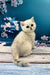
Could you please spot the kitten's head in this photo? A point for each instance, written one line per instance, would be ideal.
(28, 25)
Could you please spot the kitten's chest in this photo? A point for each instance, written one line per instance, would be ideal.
(31, 37)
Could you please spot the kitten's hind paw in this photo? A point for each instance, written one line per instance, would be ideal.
(23, 64)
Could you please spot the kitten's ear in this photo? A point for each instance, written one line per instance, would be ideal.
(22, 23)
(32, 19)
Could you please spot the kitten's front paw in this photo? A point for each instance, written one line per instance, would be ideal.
(34, 47)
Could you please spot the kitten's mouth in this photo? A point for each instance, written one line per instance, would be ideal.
(30, 28)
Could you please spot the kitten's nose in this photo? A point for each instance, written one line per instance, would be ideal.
(30, 28)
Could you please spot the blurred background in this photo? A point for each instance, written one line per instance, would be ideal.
(40, 9)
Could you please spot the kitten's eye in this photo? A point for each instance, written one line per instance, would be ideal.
(27, 26)
(31, 24)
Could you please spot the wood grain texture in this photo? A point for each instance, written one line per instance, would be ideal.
(42, 50)
(39, 62)
(5, 49)
(40, 55)
(37, 50)
(32, 58)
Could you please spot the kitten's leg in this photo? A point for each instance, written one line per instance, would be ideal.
(17, 61)
(15, 54)
(27, 53)
(33, 45)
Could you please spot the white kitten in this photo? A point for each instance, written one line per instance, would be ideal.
(24, 41)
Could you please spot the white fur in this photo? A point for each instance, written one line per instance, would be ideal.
(28, 22)
(24, 41)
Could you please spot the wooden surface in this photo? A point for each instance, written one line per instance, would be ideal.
(40, 55)
(40, 60)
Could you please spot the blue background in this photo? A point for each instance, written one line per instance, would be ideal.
(40, 9)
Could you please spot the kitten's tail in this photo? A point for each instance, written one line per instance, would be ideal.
(16, 60)
(20, 63)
